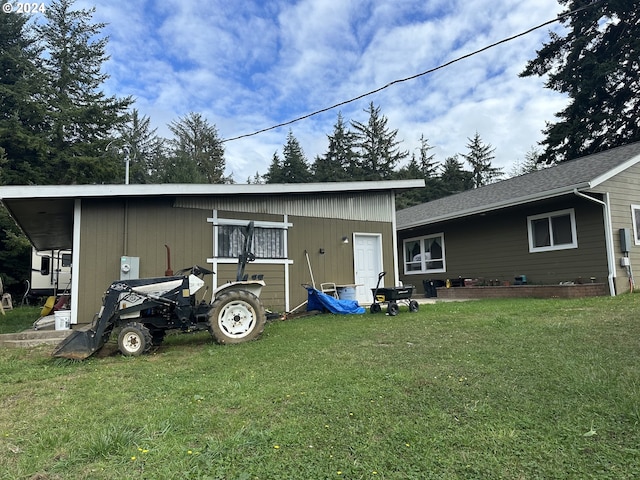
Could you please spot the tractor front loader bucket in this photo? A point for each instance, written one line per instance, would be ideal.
(79, 345)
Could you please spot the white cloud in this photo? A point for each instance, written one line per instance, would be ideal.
(250, 65)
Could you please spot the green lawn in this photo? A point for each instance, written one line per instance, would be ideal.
(496, 389)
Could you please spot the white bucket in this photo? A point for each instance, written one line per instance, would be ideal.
(63, 319)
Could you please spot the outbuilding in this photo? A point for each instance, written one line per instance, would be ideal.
(341, 233)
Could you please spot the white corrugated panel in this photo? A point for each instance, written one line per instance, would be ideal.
(374, 207)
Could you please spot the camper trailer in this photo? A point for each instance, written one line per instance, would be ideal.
(50, 273)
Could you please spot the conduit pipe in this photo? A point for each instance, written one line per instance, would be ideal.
(606, 209)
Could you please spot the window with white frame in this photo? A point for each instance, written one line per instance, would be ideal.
(635, 219)
(267, 242)
(552, 231)
(424, 254)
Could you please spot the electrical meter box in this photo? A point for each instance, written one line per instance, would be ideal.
(625, 240)
(129, 268)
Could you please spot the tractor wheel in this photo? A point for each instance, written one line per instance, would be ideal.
(393, 309)
(236, 316)
(413, 306)
(134, 339)
(375, 308)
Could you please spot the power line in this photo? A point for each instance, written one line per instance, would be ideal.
(560, 17)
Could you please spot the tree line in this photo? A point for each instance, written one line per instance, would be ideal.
(57, 126)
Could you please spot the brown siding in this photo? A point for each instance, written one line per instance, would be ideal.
(495, 247)
(105, 237)
(336, 264)
(152, 223)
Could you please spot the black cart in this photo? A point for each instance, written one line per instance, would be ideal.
(391, 296)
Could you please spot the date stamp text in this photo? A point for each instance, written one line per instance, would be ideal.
(24, 8)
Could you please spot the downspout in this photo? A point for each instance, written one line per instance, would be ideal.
(394, 240)
(606, 209)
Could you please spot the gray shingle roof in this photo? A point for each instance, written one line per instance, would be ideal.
(581, 173)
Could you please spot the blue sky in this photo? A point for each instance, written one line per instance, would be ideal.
(246, 65)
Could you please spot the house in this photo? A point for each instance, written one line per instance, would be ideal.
(577, 222)
(304, 233)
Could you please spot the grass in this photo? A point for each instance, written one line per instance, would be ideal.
(495, 389)
(19, 319)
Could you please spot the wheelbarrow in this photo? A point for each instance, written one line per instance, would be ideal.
(391, 296)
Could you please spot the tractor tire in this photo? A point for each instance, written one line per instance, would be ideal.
(236, 316)
(134, 339)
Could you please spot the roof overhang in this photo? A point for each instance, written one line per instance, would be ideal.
(480, 209)
(45, 212)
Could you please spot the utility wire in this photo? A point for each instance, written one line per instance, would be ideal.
(559, 18)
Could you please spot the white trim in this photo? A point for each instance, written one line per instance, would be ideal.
(426, 270)
(636, 240)
(194, 189)
(75, 260)
(285, 262)
(257, 261)
(614, 171)
(394, 241)
(548, 215)
(243, 223)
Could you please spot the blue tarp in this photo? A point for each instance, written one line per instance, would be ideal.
(321, 301)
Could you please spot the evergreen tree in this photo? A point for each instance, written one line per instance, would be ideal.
(596, 63)
(275, 172)
(423, 167)
(23, 135)
(453, 178)
(428, 166)
(144, 148)
(198, 142)
(479, 157)
(81, 115)
(377, 147)
(530, 164)
(340, 161)
(295, 167)
(257, 179)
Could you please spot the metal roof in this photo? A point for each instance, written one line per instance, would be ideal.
(582, 174)
(45, 212)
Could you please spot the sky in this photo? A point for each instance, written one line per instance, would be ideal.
(247, 65)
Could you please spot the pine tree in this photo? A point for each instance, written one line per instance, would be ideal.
(428, 166)
(23, 126)
(198, 142)
(82, 117)
(530, 164)
(596, 63)
(453, 178)
(143, 147)
(295, 167)
(275, 172)
(377, 147)
(340, 160)
(479, 157)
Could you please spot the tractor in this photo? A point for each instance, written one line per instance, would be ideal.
(142, 311)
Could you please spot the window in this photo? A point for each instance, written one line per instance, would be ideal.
(267, 242)
(424, 254)
(552, 231)
(635, 218)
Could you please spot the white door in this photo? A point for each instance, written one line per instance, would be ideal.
(367, 259)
